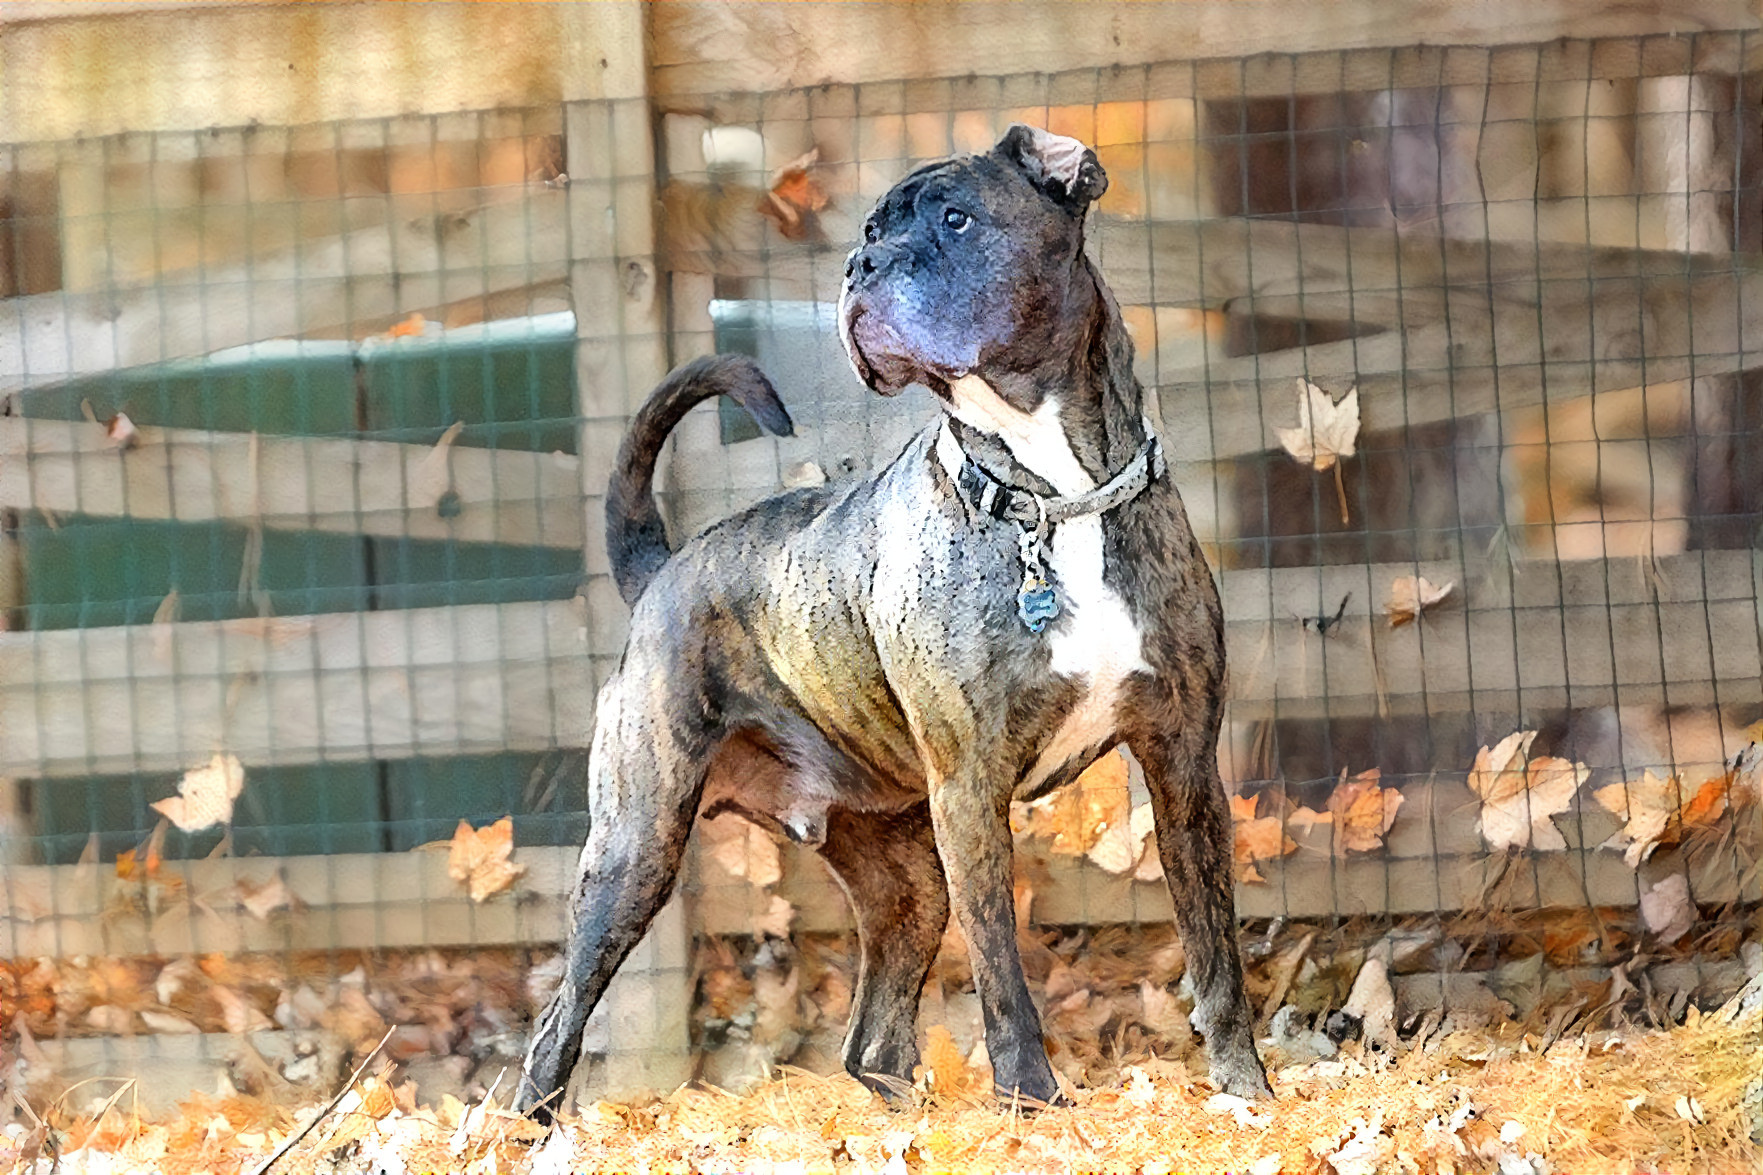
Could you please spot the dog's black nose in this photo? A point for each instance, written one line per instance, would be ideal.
(869, 261)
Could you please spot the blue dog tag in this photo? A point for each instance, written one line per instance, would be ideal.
(1036, 603)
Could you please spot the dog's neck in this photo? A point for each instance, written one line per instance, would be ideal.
(1067, 425)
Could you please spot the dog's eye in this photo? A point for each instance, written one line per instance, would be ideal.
(956, 219)
(869, 233)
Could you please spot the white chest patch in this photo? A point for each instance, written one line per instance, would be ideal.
(1095, 637)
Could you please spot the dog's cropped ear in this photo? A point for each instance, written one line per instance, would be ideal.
(1063, 168)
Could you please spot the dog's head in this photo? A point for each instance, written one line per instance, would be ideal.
(966, 265)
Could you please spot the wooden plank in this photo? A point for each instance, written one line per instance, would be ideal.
(1433, 861)
(487, 678)
(1530, 73)
(298, 689)
(328, 284)
(1371, 276)
(516, 676)
(1281, 266)
(349, 900)
(1466, 327)
(1522, 641)
(708, 49)
(618, 293)
(206, 65)
(302, 483)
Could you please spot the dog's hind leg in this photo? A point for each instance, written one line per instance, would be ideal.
(1194, 838)
(643, 796)
(887, 863)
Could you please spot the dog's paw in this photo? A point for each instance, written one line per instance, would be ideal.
(896, 1091)
(1244, 1079)
(1031, 1102)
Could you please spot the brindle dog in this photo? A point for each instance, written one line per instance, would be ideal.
(876, 668)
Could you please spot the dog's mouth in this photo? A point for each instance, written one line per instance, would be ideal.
(882, 357)
(876, 351)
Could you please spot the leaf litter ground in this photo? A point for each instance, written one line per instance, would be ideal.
(1497, 1098)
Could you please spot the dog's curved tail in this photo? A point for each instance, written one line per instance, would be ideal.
(636, 540)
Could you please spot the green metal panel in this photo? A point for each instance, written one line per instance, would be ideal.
(546, 794)
(511, 385)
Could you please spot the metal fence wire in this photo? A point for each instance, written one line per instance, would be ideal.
(304, 596)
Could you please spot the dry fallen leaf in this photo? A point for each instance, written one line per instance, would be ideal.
(205, 794)
(741, 849)
(121, 431)
(1747, 770)
(111, 1020)
(1658, 810)
(776, 920)
(1518, 797)
(432, 476)
(261, 899)
(1363, 811)
(1076, 816)
(352, 1018)
(1257, 839)
(945, 1068)
(413, 326)
(348, 1124)
(480, 858)
(1326, 432)
(1161, 1011)
(164, 617)
(794, 194)
(1122, 846)
(1666, 908)
(238, 1013)
(1137, 1087)
(1411, 595)
(168, 1023)
(1144, 826)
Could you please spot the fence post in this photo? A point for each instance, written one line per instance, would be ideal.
(621, 352)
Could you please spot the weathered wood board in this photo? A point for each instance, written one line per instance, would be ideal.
(289, 482)
(327, 283)
(1529, 639)
(471, 679)
(1434, 862)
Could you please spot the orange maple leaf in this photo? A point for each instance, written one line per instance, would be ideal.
(1363, 811)
(1256, 839)
(1659, 810)
(412, 325)
(480, 858)
(1076, 816)
(794, 195)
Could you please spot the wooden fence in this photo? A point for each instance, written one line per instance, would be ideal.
(1503, 314)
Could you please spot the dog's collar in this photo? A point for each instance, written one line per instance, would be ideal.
(992, 497)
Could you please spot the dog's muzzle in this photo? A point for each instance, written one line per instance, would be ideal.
(876, 351)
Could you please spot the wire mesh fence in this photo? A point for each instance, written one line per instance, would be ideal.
(301, 462)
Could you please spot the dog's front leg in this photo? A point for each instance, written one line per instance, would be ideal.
(1194, 838)
(971, 817)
